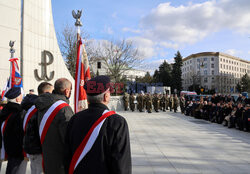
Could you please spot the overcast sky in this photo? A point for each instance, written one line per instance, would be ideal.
(160, 28)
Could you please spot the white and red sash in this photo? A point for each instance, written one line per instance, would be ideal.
(48, 118)
(88, 141)
(28, 116)
(3, 126)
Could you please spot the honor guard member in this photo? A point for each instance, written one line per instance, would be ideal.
(149, 103)
(176, 103)
(156, 102)
(31, 140)
(97, 140)
(54, 113)
(126, 101)
(144, 99)
(171, 102)
(11, 119)
(163, 102)
(132, 102)
(139, 99)
(167, 101)
(182, 104)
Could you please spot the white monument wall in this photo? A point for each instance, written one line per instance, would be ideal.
(38, 36)
(10, 29)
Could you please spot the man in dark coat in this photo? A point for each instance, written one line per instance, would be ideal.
(12, 118)
(53, 145)
(110, 153)
(31, 141)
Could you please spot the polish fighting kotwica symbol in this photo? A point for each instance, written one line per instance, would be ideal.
(44, 65)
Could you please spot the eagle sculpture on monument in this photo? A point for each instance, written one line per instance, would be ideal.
(77, 16)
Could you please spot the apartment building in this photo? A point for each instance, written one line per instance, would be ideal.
(214, 70)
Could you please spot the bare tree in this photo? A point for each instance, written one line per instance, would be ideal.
(118, 57)
(67, 43)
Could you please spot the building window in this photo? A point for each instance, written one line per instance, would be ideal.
(205, 65)
(212, 65)
(198, 60)
(212, 72)
(205, 80)
(224, 66)
(99, 65)
(205, 59)
(212, 59)
(205, 72)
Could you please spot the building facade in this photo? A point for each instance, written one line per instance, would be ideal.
(99, 66)
(213, 71)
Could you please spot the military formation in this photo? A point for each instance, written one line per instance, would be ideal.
(151, 102)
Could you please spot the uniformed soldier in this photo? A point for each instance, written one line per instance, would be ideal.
(149, 103)
(163, 102)
(167, 101)
(156, 102)
(171, 102)
(175, 103)
(139, 99)
(126, 101)
(132, 102)
(182, 104)
(144, 103)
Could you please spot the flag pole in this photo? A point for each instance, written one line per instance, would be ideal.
(12, 52)
(78, 24)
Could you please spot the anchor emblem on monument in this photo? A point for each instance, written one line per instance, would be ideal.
(44, 65)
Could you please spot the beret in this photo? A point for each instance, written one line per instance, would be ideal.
(97, 85)
(13, 93)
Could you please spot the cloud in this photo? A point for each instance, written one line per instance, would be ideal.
(125, 29)
(191, 23)
(145, 46)
(233, 52)
(108, 30)
(173, 27)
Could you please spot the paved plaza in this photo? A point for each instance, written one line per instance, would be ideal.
(172, 143)
(167, 142)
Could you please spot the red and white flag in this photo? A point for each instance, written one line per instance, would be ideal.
(82, 75)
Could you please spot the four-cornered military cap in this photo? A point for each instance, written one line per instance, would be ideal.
(13, 93)
(97, 85)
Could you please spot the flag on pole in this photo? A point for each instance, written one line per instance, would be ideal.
(82, 75)
(15, 79)
(5, 88)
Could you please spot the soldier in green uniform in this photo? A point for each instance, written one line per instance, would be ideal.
(132, 102)
(175, 103)
(167, 101)
(182, 104)
(156, 102)
(139, 99)
(163, 102)
(144, 101)
(171, 102)
(149, 103)
(126, 101)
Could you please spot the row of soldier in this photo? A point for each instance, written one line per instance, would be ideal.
(148, 102)
(220, 109)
